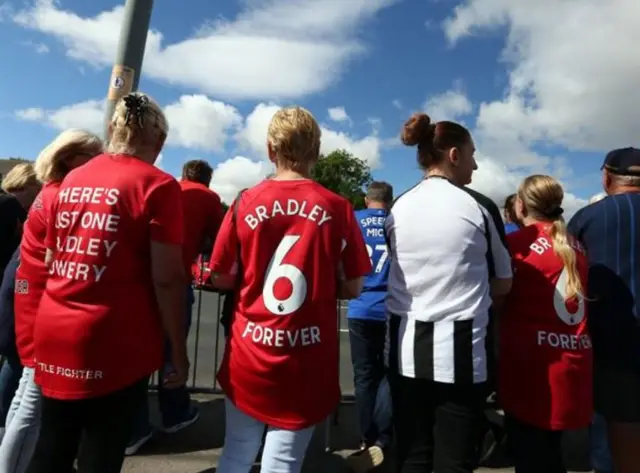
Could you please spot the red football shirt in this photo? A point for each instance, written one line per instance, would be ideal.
(281, 361)
(98, 328)
(202, 211)
(31, 275)
(545, 348)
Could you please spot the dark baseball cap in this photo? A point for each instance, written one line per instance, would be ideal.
(623, 161)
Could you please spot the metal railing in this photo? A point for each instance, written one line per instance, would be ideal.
(206, 348)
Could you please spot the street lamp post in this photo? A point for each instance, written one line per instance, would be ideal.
(126, 70)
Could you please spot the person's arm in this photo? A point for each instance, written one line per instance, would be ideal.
(164, 207)
(224, 257)
(354, 259)
(502, 277)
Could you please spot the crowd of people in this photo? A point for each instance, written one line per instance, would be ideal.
(449, 303)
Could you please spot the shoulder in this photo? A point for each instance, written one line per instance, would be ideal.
(485, 202)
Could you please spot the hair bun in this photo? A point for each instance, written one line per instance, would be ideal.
(418, 129)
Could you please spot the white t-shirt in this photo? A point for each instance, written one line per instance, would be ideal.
(444, 246)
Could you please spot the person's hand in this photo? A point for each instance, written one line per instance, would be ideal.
(178, 377)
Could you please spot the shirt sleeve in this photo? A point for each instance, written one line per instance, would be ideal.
(164, 208)
(48, 217)
(225, 250)
(354, 257)
(499, 252)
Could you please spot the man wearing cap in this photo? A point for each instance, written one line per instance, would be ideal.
(610, 232)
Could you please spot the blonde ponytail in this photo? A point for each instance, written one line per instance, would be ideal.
(542, 198)
(562, 247)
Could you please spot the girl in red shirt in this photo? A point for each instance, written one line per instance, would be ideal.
(71, 149)
(545, 348)
(291, 237)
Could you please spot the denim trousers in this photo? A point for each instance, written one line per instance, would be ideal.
(22, 425)
(373, 400)
(10, 375)
(174, 403)
(283, 451)
(600, 454)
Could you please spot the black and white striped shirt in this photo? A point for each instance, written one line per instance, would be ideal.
(445, 243)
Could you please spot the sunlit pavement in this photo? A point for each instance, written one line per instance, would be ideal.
(197, 448)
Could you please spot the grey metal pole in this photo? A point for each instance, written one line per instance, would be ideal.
(126, 70)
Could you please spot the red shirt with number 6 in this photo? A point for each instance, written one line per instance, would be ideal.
(281, 361)
(545, 348)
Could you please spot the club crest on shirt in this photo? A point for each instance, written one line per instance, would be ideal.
(560, 305)
(22, 286)
(37, 203)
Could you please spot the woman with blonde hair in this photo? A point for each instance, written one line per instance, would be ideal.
(20, 187)
(68, 150)
(282, 246)
(116, 279)
(545, 379)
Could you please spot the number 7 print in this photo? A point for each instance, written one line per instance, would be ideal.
(383, 256)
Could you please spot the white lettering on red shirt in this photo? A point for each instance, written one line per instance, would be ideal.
(262, 213)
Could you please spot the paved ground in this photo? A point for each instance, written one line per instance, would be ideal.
(197, 449)
(206, 344)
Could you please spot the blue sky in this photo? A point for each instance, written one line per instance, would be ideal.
(540, 93)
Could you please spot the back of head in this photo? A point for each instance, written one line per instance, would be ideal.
(510, 209)
(380, 192)
(138, 127)
(433, 139)
(542, 197)
(54, 162)
(20, 177)
(197, 170)
(294, 139)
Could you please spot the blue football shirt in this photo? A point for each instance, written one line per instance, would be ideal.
(370, 304)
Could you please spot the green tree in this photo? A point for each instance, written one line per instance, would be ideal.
(344, 174)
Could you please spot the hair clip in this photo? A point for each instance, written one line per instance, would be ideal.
(136, 106)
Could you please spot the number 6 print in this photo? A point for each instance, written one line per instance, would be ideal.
(277, 270)
(559, 298)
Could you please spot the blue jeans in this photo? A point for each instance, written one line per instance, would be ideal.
(10, 375)
(23, 425)
(600, 454)
(283, 451)
(373, 401)
(175, 404)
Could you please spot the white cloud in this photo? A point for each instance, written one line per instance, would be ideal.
(198, 123)
(503, 160)
(450, 105)
(497, 181)
(159, 162)
(235, 174)
(397, 104)
(338, 114)
(40, 48)
(571, 79)
(195, 121)
(253, 137)
(276, 48)
(33, 114)
(88, 115)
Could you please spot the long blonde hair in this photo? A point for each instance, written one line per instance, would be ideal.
(542, 198)
(51, 164)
